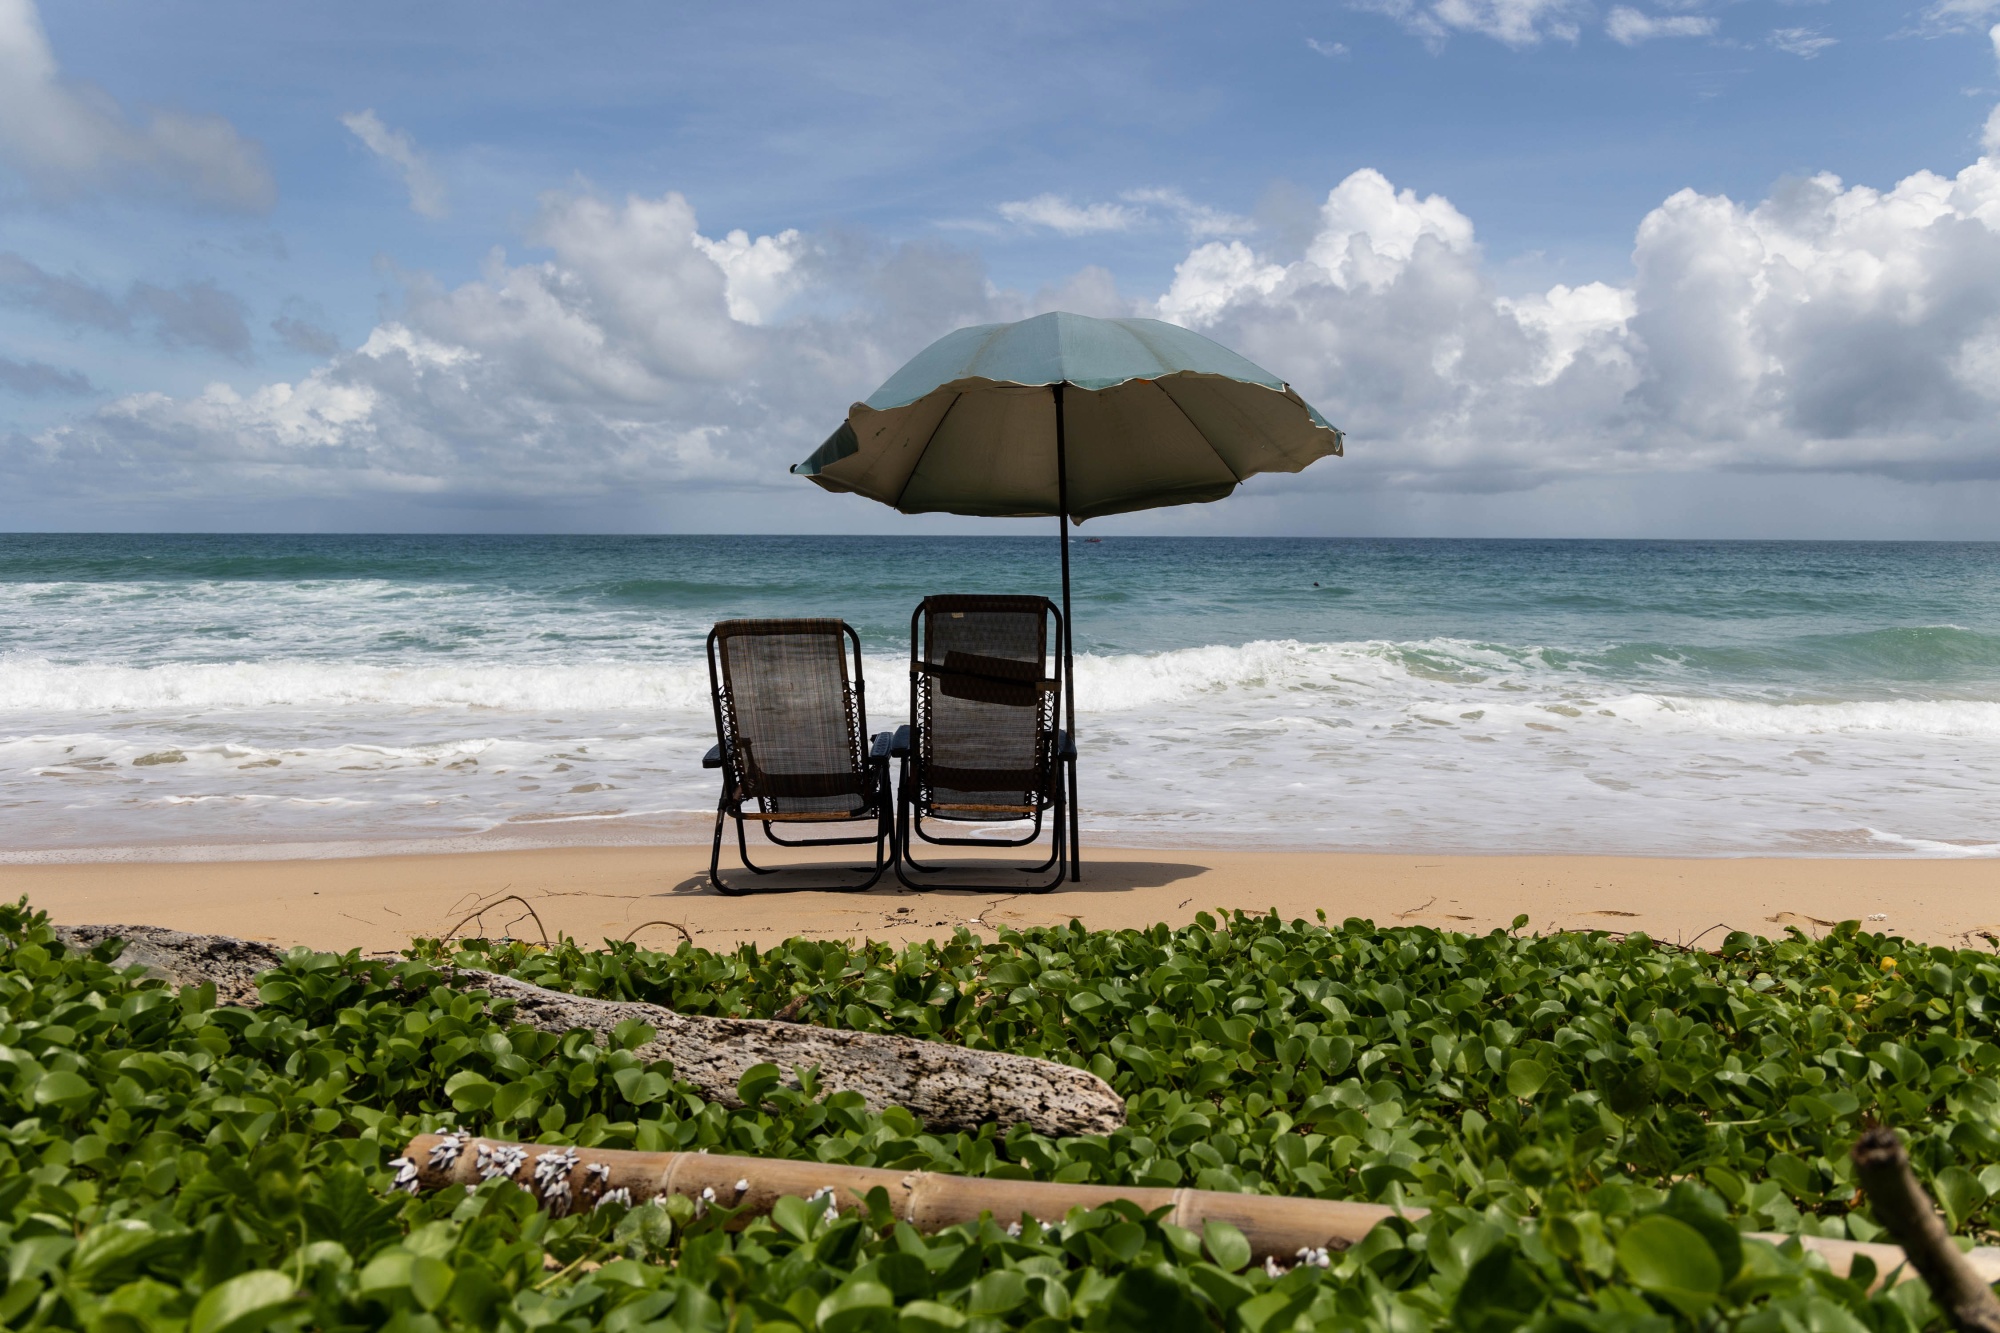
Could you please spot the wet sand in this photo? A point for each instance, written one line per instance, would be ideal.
(657, 895)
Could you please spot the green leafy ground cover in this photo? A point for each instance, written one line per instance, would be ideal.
(1594, 1120)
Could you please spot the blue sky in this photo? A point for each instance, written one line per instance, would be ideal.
(468, 266)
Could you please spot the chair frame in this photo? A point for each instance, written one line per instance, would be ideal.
(1056, 765)
(722, 755)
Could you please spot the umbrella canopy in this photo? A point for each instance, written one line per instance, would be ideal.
(1164, 417)
(1071, 416)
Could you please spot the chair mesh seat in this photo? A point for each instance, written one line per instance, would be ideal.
(791, 739)
(790, 715)
(984, 707)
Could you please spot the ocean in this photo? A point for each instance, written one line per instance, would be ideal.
(196, 696)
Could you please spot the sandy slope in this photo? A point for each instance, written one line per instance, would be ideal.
(594, 893)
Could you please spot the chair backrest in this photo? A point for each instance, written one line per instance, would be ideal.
(983, 705)
(790, 713)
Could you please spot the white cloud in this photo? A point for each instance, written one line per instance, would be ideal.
(1331, 50)
(1958, 15)
(400, 151)
(1805, 43)
(1828, 328)
(1629, 27)
(1198, 220)
(627, 361)
(69, 139)
(1059, 214)
(1515, 23)
(1134, 209)
(759, 275)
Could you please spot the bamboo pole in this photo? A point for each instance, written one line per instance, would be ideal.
(1277, 1227)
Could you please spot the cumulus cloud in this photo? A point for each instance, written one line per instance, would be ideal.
(628, 359)
(195, 314)
(1805, 43)
(400, 151)
(1827, 328)
(68, 139)
(32, 379)
(1515, 23)
(1630, 27)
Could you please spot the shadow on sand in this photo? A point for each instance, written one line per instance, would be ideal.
(969, 876)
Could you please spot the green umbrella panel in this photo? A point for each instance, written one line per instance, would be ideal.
(1155, 415)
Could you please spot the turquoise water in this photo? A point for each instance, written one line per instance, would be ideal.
(163, 695)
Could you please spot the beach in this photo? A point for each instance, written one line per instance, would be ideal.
(349, 741)
(657, 896)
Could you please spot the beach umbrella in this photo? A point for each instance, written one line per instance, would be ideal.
(1072, 417)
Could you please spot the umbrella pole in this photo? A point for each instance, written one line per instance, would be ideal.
(1068, 640)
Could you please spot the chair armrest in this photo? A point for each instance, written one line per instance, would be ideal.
(900, 747)
(878, 749)
(713, 759)
(1065, 747)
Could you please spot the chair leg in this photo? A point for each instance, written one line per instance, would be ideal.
(885, 856)
(743, 849)
(1056, 859)
(1060, 843)
(715, 853)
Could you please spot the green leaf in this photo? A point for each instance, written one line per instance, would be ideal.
(1960, 1192)
(853, 1305)
(62, 1088)
(1148, 1300)
(997, 1293)
(36, 1255)
(757, 1083)
(1499, 1294)
(792, 1216)
(511, 1099)
(1225, 1245)
(469, 1091)
(430, 1281)
(345, 1210)
(1669, 1259)
(244, 1303)
(1273, 1309)
(928, 1317)
(1633, 1089)
(1525, 1076)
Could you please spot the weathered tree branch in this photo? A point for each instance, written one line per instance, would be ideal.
(1901, 1205)
(947, 1087)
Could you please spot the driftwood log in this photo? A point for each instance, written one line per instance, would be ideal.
(947, 1087)
(185, 960)
(950, 1087)
(1279, 1228)
(1960, 1288)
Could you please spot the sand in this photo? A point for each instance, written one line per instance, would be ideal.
(657, 894)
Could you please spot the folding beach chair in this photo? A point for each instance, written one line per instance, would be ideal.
(982, 745)
(791, 724)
